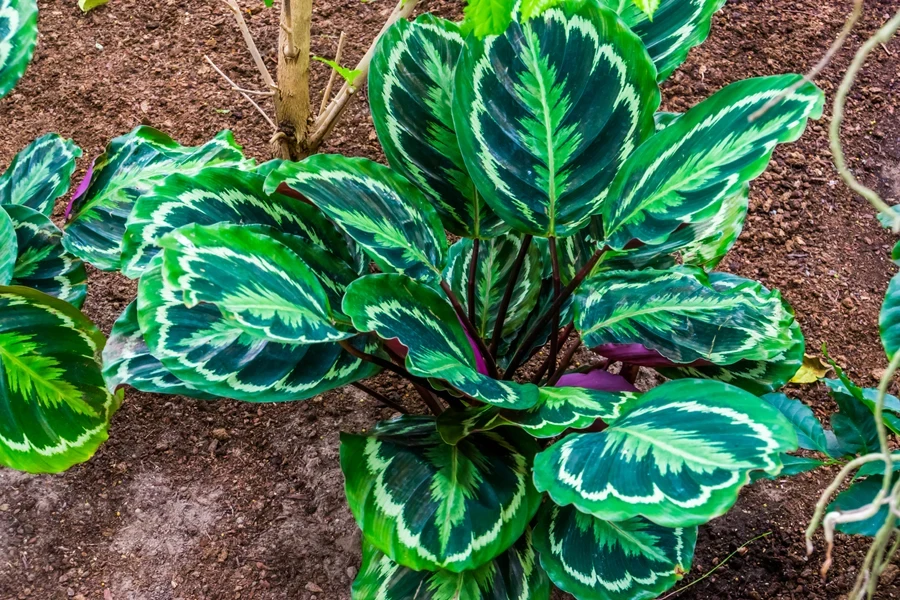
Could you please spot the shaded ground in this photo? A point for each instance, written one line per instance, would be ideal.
(220, 499)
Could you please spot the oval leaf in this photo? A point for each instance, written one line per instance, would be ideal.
(860, 494)
(253, 279)
(40, 173)
(9, 248)
(694, 442)
(410, 92)
(684, 172)
(389, 217)
(889, 318)
(199, 346)
(547, 112)
(810, 435)
(42, 262)
(430, 505)
(593, 559)
(130, 167)
(395, 306)
(683, 316)
(514, 574)
(54, 408)
(563, 408)
(18, 37)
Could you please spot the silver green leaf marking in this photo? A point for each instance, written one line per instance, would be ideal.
(18, 37)
(694, 442)
(40, 173)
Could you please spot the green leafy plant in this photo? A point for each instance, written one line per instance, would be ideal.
(18, 37)
(584, 217)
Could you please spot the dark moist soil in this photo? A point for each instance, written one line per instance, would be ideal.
(221, 499)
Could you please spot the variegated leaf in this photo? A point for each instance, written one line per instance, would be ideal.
(54, 408)
(562, 408)
(430, 505)
(675, 27)
(684, 172)
(694, 443)
(410, 92)
(42, 262)
(40, 173)
(684, 316)
(130, 167)
(548, 112)
(511, 343)
(201, 347)
(664, 119)
(390, 218)
(9, 248)
(495, 262)
(756, 376)
(222, 195)
(515, 574)
(596, 559)
(254, 280)
(18, 37)
(889, 318)
(395, 306)
(127, 361)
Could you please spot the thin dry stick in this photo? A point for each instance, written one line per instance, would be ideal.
(337, 60)
(823, 62)
(251, 45)
(326, 120)
(234, 86)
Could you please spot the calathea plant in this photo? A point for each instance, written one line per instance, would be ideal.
(583, 217)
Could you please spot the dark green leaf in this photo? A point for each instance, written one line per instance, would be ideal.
(889, 318)
(854, 424)
(40, 173)
(810, 435)
(18, 37)
(856, 496)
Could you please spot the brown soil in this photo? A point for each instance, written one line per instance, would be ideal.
(214, 500)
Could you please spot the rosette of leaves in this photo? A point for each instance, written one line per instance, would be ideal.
(581, 219)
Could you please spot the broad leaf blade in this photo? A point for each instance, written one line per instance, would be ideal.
(810, 435)
(40, 173)
(563, 408)
(42, 262)
(54, 408)
(592, 558)
(127, 361)
(18, 37)
(548, 112)
(200, 347)
(684, 172)
(676, 26)
(410, 93)
(683, 316)
(514, 574)
(854, 424)
(430, 505)
(859, 494)
(889, 317)
(395, 306)
(221, 195)
(389, 217)
(9, 248)
(487, 17)
(694, 442)
(259, 283)
(495, 262)
(129, 168)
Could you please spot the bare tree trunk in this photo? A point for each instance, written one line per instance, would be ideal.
(292, 109)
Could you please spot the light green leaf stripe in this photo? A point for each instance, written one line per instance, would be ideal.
(42, 262)
(562, 408)
(595, 559)
(18, 37)
(390, 218)
(495, 261)
(694, 442)
(9, 248)
(684, 316)
(430, 505)
(54, 408)
(684, 172)
(676, 26)
(548, 112)
(202, 348)
(410, 92)
(129, 168)
(127, 361)
(395, 306)
(253, 279)
(222, 195)
(889, 318)
(514, 575)
(40, 173)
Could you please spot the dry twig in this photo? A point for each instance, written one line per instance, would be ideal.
(243, 93)
(251, 45)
